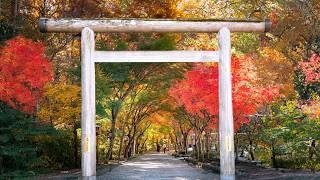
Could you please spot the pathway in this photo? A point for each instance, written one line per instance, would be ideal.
(157, 167)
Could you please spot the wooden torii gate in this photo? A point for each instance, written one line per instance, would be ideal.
(89, 56)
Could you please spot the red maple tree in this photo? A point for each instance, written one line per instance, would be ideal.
(311, 69)
(199, 90)
(24, 71)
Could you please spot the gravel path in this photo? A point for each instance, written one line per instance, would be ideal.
(157, 167)
(165, 167)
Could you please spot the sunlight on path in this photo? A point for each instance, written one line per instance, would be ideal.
(157, 166)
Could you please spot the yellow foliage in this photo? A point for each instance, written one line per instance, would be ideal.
(274, 68)
(61, 105)
(161, 118)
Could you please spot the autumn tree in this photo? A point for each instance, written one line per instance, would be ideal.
(121, 83)
(147, 102)
(60, 108)
(311, 69)
(274, 68)
(198, 93)
(182, 127)
(24, 71)
(115, 83)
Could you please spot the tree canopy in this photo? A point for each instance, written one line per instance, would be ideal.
(143, 106)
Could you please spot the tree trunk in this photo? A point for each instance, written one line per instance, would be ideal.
(126, 150)
(196, 146)
(44, 10)
(185, 143)
(251, 150)
(75, 146)
(15, 8)
(312, 151)
(134, 147)
(130, 151)
(236, 146)
(112, 138)
(121, 141)
(176, 144)
(143, 145)
(208, 145)
(201, 148)
(112, 133)
(138, 144)
(128, 147)
(273, 158)
(120, 147)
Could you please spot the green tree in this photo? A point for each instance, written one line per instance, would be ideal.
(60, 108)
(19, 142)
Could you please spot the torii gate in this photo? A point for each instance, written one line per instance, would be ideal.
(89, 56)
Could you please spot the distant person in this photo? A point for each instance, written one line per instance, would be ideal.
(158, 148)
(164, 148)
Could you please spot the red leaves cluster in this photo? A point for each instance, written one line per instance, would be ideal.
(274, 18)
(196, 91)
(24, 70)
(199, 90)
(311, 69)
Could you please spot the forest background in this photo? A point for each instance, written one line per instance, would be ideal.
(275, 85)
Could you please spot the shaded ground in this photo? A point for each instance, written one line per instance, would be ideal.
(165, 167)
(76, 173)
(157, 166)
(249, 171)
(146, 167)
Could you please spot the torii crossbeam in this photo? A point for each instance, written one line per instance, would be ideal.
(89, 56)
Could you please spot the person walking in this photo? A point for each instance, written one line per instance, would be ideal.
(164, 148)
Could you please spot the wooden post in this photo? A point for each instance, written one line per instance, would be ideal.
(88, 123)
(226, 137)
(156, 56)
